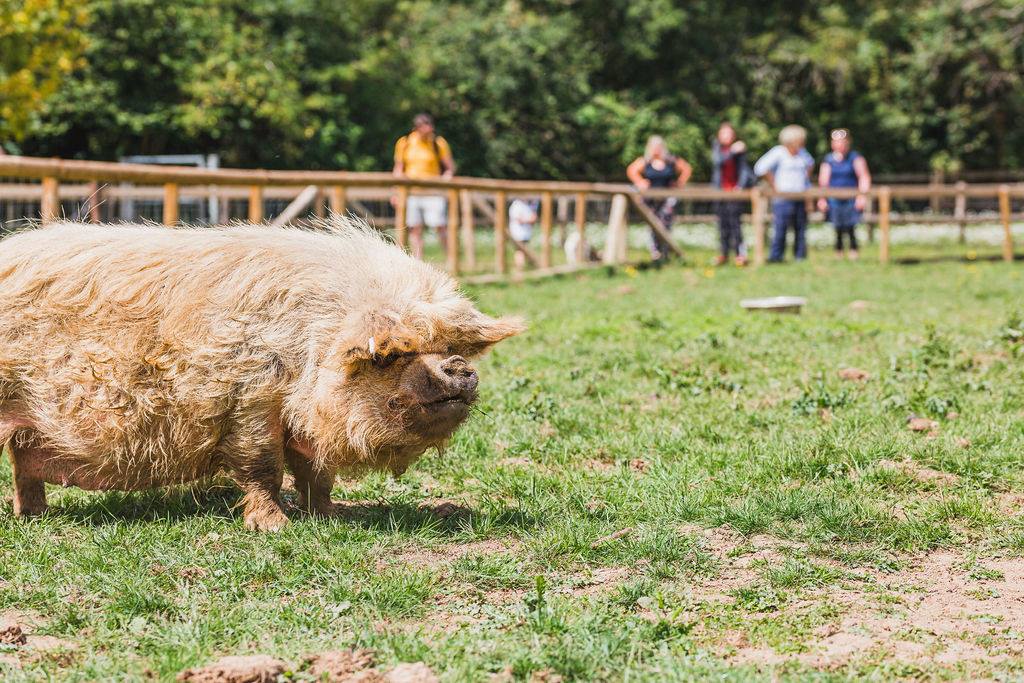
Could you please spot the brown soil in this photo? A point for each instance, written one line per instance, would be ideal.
(19, 628)
(443, 509)
(344, 666)
(921, 473)
(922, 424)
(417, 672)
(854, 374)
(245, 669)
(11, 633)
(445, 555)
(939, 609)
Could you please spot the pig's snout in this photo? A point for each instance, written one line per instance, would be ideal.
(459, 375)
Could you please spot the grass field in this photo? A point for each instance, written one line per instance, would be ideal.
(657, 486)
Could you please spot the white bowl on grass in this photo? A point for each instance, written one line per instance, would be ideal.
(775, 304)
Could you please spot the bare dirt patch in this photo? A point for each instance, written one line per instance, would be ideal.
(443, 556)
(596, 582)
(739, 558)
(11, 633)
(854, 375)
(341, 666)
(920, 472)
(945, 607)
(344, 665)
(20, 629)
(239, 669)
(417, 672)
(942, 609)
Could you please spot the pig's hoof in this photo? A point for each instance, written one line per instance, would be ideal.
(266, 520)
(26, 511)
(29, 506)
(326, 510)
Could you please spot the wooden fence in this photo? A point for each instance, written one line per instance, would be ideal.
(87, 179)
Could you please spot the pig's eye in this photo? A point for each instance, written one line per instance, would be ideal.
(382, 362)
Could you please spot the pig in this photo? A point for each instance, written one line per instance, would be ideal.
(134, 357)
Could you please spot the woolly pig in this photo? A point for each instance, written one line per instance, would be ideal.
(136, 357)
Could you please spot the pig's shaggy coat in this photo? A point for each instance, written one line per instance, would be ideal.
(150, 355)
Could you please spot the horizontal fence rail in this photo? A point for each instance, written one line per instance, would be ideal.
(48, 182)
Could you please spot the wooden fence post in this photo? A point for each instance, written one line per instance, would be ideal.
(884, 205)
(757, 220)
(319, 204)
(256, 204)
(935, 201)
(401, 229)
(1004, 213)
(468, 234)
(49, 205)
(94, 201)
(452, 248)
(581, 227)
(545, 229)
(170, 203)
(338, 199)
(500, 226)
(960, 209)
(615, 245)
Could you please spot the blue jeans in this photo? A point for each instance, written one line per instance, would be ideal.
(789, 212)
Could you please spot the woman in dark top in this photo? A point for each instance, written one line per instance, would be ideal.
(659, 169)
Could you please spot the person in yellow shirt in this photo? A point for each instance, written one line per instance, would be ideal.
(424, 154)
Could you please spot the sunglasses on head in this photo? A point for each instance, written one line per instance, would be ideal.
(840, 134)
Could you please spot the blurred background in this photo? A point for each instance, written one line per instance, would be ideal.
(557, 89)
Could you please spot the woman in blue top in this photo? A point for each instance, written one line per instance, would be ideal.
(659, 169)
(843, 167)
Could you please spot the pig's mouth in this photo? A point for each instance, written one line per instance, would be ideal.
(451, 401)
(441, 416)
(452, 405)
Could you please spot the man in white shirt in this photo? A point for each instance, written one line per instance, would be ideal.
(788, 166)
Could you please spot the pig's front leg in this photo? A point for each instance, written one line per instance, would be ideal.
(313, 484)
(256, 461)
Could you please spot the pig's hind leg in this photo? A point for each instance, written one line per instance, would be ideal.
(312, 484)
(26, 464)
(29, 488)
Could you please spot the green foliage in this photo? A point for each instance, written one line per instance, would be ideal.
(526, 88)
(40, 43)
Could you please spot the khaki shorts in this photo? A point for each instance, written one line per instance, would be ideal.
(431, 211)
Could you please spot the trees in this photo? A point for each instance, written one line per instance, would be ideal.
(40, 43)
(537, 88)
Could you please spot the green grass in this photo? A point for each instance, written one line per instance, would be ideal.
(646, 400)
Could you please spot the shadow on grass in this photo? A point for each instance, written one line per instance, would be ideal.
(445, 517)
(951, 258)
(223, 503)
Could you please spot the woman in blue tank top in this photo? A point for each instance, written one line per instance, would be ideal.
(659, 169)
(845, 168)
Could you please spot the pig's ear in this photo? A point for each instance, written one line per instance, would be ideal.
(483, 332)
(371, 336)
